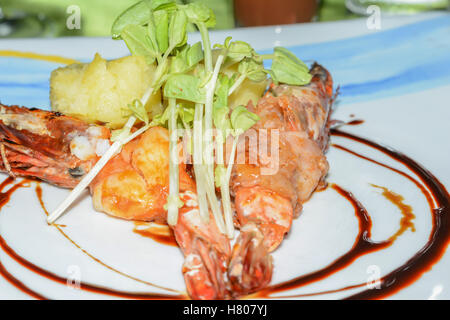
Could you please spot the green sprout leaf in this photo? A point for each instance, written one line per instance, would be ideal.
(222, 86)
(151, 34)
(120, 134)
(138, 110)
(252, 69)
(137, 14)
(242, 119)
(178, 63)
(222, 121)
(185, 87)
(163, 5)
(162, 29)
(186, 58)
(225, 45)
(200, 13)
(220, 112)
(138, 43)
(188, 75)
(287, 68)
(239, 50)
(161, 119)
(194, 54)
(177, 29)
(186, 112)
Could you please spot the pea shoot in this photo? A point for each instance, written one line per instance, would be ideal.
(195, 89)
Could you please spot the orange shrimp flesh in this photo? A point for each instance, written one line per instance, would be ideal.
(133, 185)
(49, 145)
(266, 204)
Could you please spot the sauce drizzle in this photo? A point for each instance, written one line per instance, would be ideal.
(408, 216)
(439, 202)
(439, 237)
(435, 193)
(38, 190)
(355, 122)
(4, 197)
(160, 233)
(363, 245)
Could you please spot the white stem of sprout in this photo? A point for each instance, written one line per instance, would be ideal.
(198, 162)
(213, 202)
(87, 179)
(225, 192)
(114, 148)
(174, 197)
(208, 176)
(158, 74)
(146, 96)
(227, 211)
(237, 83)
(136, 133)
(219, 148)
(206, 46)
(232, 156)
(210, 88)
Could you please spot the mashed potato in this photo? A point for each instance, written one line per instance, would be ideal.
(99, 92)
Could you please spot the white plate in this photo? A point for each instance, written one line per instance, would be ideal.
(396, 79)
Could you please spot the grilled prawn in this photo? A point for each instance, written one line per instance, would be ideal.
(266, 204)
(48, 145)
(133, 185)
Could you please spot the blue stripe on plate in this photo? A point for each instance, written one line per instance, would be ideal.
(386, 63)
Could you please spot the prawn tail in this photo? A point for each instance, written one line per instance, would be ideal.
(204, 272)
(250, 267)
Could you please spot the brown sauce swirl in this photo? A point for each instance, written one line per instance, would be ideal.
(406, 222)
(435, 193)
(439, 202)
(4, 198)
(160, 233)
(363, 245)
(355, 122)
(38, 190)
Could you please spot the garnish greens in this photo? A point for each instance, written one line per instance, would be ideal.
(195, 90)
